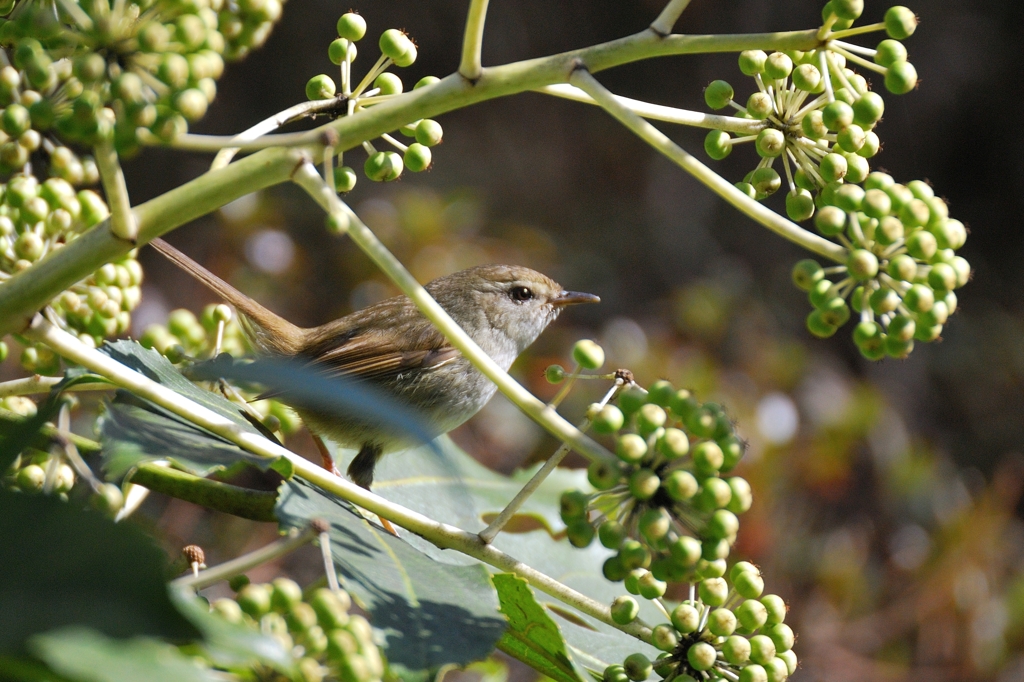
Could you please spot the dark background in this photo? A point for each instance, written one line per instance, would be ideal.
(887, 453)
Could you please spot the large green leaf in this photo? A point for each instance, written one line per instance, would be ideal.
(86, 655)
(432, 614)
(456, 489)
(592, 644)
(136, 430)
(532, 636)
(64, 566)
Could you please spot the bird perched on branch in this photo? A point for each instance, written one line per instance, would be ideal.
(393, 347)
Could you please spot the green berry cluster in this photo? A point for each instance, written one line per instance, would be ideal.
(901, 269)
(378, 85)
(36, 471)
(37, 218)
(726, 630)
(186, 337)
(664, 505)
(102, 71)
(818, 116)
(327, 641)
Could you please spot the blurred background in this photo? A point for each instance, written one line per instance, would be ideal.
(887, 495)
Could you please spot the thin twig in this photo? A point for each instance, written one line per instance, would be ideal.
(239, 565)
(472, 42)
(668, 17)
(122, 221)
(767, 217)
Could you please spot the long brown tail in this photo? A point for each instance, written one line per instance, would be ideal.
(270, 332)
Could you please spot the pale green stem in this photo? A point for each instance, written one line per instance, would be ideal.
(440, 534)
(30, 290)
(40, 384)
(491, 531)
(239, 565)
(858, 30)
(657, 112)
(472, 42)
(122, 221)
(760, 213)
(669, 16)
(292, 113)
(308, 178)
(858, 60)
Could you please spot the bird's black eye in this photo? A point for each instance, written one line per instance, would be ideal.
(520, 294)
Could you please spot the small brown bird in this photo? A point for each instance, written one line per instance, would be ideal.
(392, 346)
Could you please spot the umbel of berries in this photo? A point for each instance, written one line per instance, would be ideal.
(104, 71)
(664, 506)
(901, 270)
(727, 629)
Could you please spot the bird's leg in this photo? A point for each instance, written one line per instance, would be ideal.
(328, 460)
(373, 454)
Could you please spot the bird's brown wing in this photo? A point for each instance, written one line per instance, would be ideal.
(369, 353)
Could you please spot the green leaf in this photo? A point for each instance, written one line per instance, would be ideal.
(592, 644)
(456, 489)
(432, 614)
(65, 566)
(136, 430)
(532, 636)
(89, 656)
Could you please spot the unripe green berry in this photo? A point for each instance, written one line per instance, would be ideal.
(713, 591)
(685, 618)
(389, 84)
(351, 26)
(807, 273)
(760, 105)
(417, 157)
(776, 608)
(701, 656)
(681, 485)
(664, 637)
(254, 599)
(384, 166)
(736, 650)
(799, 205)
(31, 478)
(344, 179)
(650, 418)
(833, 167)
(717, 144)
(602, 475)
(770, 143)
(752, 62)
(637, 667)
(889, 52)
(718, 94)
(766, 181)
(673, 443)
(580, 532)
(320, 87)
(429, 132)
(722, 622)
(631, 448)
(611, 534)
(643, 484)
(608, 419)
(813, 125)
(588, 354)
(900, 22)
(742, 497)
(555, 374)
(762, 649)
(650, 587)
(778, 66)
(614, 673)
(749, 585)
(848, 9)
(900, 78)
(837, 115)
(634, 555)
(782, 636)
(425, 81)
(337, 51)
(807, 77)
(573, 505)
(753, 673)
(862, 264)
(708, 457)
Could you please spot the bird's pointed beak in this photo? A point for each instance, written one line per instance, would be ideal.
(572, 298)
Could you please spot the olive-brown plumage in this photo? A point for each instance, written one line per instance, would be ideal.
(393, 347)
